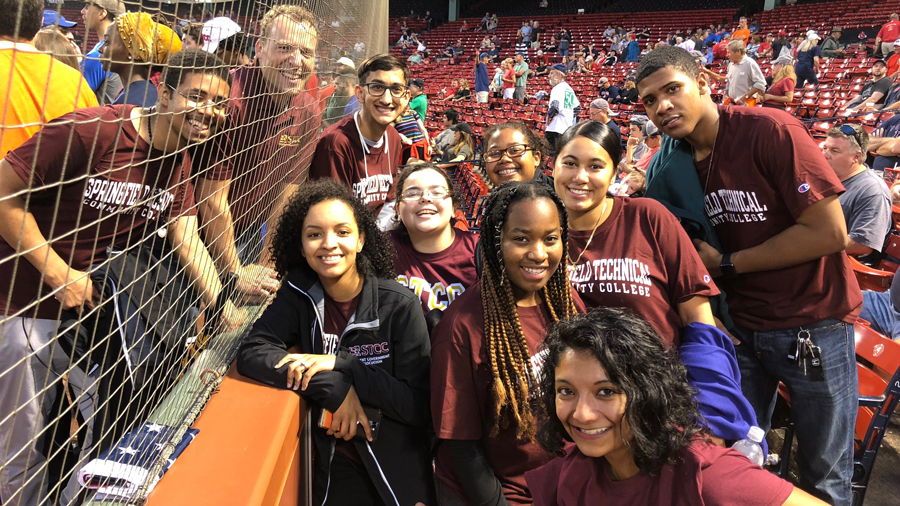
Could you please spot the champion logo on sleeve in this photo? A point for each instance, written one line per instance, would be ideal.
(803, 188)
(706, 278)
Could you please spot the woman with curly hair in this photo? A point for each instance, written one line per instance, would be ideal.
(363, 350)
(434, 259)
(609, 386)
(487, 350)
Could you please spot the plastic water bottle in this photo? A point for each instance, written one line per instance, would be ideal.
(750, 446)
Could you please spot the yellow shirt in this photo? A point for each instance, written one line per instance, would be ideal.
(34, 89)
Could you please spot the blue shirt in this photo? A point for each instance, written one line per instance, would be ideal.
(889, 128)
(352, 106)
(92, 69)
(805, 58)
(140, 93)
(482, 81)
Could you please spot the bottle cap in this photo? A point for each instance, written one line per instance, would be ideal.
(756, 434)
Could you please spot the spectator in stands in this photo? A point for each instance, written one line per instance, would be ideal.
(781, 45)
(26, 76)
(874, 92)
(611, 59)
(250, 182)
(52, 42)
(493, 53)
(765, 47)
(541, 59)
(552, 46)
(599, 111)
(781, 92)
(753, 47)
(632, 49)
(893, 64)
(362, 341)
(652, 140)
(368, 136)
(98, 15)
(428, 19)
(764, 271)
(451, 91)
(680, 287)
(536, 32)
(808, 55)
(344, 85)
(686, 44)
(720, 50)
(888, 33)
(629, 94)
(867, 200)
(193, 36)
(441, 141)
(521, 46)
(497, 82)
(433, 258)
(458, 49)
(609, 32)
(832, 47)
(564, 106)
(133, 47)
(543, 4)
(521, 70)
(463, 92)
(492, 26)
(415, 58)
(485, 42)
(884, 143)
(414, 137)
(482, 80)
(462, 147)
(67, 170)
(485, 21)
(235, 50)
(606, 372)
(509, 79)
(564, 40)
(485, 347)
(447, 52)
(742, 33)
(526, 32)
(635, 149)
(608, 91)
(744, 80)
(412, 15)
(418, 99)
(513, 152)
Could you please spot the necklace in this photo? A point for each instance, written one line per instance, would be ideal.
(572, 264)
(711, 153)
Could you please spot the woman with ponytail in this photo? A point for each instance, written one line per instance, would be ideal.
(486, 352)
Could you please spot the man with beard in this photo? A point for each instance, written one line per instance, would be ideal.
(97, 16)
(873, 92)
(249, 176)
(564, 106)
(363, 150)
(344, 84)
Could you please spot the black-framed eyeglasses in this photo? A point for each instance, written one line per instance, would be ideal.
(435, 192)
(514, 151)
(378, 89)
(850, 131)
(198, 101)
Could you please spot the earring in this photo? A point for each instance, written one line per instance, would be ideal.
(130, 58)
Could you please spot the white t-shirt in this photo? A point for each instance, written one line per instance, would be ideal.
(563, 98)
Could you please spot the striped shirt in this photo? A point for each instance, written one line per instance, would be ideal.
(408, 126)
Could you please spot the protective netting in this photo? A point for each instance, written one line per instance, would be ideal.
(129, 273)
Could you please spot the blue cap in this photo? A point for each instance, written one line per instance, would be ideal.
(53, 18)
(560, 67)
(482, 55)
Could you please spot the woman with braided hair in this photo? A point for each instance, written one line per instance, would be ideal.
(486, 352)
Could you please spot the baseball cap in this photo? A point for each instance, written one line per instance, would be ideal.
(639, 120)
(697, 55)
(878, 60)
(783, 59)
(604, 80)
(347, 62)
(53, 18)
(114, 7)
(601, 104)
(837, 29)
(482, 55)
(217, 29)
(539, 52)
(559, 67)
(629, 78)
(782, 33)
(649, 129)
(462, 127)
(812, 35)
(418, 83)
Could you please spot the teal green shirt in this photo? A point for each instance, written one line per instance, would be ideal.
(420, 105)
(520, 81)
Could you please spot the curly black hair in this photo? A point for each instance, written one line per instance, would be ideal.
(660, 409)
(377, 255)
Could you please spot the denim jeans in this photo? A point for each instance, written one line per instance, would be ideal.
(823, 412)
(879, 311)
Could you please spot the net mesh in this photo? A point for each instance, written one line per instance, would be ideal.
(165, 244)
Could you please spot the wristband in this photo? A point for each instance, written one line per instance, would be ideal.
(728, 270)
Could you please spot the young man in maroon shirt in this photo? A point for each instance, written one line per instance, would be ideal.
(250, 172)
(69, 194)
(772, 200)
(363, 150)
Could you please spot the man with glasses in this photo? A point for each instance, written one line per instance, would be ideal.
(867, 201)
(248, 175)
(772, 201)
(70, 194)
(97, 16)
(363, 150)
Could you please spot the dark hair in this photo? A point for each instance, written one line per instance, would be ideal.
(29, 19)
(235, 43)
(377, 255)
(667, 56)
(189, 61)
(452, 115)
(194, 30)
(659, 408)
(382, 62)
(409, 171)
(504, 339)
(606, 137)
(532, 139)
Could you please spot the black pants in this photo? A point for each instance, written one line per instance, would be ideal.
(350, 484)
(551, 138)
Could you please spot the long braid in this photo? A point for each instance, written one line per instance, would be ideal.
(510, 358)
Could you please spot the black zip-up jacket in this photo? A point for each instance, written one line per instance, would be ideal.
(385, 353)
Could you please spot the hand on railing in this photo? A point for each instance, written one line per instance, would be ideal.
(231, 317)
(256, 283)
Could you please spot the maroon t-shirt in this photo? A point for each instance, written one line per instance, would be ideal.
(436, 278)
(262, 147)
(92, 188)
(704, 474)
(779, 89)
(339, 155)
(766, 170)
(640, 259)
(337, 316)
(460, 392)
